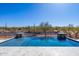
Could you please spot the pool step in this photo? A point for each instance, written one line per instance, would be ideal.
(18, 36)
(61, 36)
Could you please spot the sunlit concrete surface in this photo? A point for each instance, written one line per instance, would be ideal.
(3, 40)
(39, 51)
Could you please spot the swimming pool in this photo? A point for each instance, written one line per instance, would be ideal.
(39, 41)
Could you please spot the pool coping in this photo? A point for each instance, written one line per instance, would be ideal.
(72, 39)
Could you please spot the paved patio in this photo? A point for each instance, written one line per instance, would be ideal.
(39, 51)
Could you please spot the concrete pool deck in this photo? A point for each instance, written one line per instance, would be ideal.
(39, 51)
(74, 39)
(4, 39)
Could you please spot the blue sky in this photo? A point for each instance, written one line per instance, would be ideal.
(24, 14)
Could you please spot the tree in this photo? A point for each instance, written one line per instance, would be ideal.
(45, 27)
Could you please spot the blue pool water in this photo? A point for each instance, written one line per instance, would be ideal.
(39, 41)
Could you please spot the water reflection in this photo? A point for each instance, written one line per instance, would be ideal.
(19, 39)
(42, 38)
